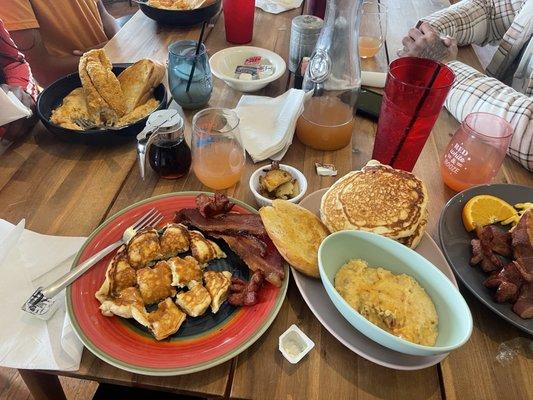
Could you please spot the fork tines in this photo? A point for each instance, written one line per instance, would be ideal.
(152, 217)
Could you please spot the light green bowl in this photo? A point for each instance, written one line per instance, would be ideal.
(455, 319)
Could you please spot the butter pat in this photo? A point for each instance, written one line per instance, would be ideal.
(325, 169)
(294, 344)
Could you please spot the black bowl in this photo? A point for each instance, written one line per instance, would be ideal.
(51, 98)
(181, 18)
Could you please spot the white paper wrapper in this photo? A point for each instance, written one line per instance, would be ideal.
(11, 108)
(29, 260)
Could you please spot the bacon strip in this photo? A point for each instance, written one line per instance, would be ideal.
(244, 293)
(271, 264)
(238, 224)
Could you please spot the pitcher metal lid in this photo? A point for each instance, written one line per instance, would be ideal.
(165, 119)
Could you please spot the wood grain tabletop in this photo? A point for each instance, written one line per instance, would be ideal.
(69, 189)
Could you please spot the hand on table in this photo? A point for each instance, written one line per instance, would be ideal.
(425, 42)
(19, 127)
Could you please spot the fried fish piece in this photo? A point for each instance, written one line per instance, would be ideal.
(119, 276)
(195, 301)
(184, 271)
(124, 304)
(174, 240)
(144, 248)
(105, 99)
(217, 284)
(204, 250)
(74, 106)
(155, 283)
(164, 321)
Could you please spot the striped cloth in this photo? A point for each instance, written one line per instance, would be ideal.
(509, 23)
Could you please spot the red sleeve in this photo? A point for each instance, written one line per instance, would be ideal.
(15, 70)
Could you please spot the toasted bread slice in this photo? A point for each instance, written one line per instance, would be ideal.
(297, 234)
(138, 82)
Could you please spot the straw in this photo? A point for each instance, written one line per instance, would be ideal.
(195, 56)
(419, 106)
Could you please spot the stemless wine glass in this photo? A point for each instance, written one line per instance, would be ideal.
(476, 151)
(373, 28)
(182, 60)
(217, 153)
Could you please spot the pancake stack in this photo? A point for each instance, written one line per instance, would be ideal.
(378, 199)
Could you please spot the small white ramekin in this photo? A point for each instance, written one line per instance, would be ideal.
(263, 201)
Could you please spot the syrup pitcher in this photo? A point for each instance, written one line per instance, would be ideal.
(164, 142)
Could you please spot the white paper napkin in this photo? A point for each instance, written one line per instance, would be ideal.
(29, 260)
(267, 124)
(277, 6)
(11, 108)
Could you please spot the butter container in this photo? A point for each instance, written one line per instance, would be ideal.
(294, 344)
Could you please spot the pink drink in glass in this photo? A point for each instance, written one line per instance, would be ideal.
(239, 20)
(476, 151)
(414, 94)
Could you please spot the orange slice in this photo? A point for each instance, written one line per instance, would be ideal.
(485, 210)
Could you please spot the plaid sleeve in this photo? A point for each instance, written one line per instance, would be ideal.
(475, 21)
(474, 92)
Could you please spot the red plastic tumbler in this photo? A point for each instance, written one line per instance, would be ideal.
(414, 94)
(239, 20)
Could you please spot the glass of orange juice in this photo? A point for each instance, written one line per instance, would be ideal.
(218, 156)
(476, 151)
(373, 28)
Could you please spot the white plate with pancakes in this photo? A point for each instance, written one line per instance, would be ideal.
(320, 304)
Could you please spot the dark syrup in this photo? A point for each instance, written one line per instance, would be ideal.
(169, 158)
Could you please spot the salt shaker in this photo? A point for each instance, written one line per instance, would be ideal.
(305, 30)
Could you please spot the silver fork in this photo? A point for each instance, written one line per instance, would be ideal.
(87, 124)
(41, 301)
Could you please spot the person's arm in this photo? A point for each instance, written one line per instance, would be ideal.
(46, 67)
(474, 21)
(110, 24)
(473, 91)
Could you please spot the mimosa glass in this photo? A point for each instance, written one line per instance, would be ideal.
(373, 28)
(476, 151)
(217, 153)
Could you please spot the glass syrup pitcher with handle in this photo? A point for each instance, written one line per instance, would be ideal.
(162, 141)
(333, 80)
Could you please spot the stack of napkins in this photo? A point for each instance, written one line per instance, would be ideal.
(267, 124)
(11, 108)
(29, 260)
(277, 6)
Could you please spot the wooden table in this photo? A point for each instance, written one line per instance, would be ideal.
(68, 189)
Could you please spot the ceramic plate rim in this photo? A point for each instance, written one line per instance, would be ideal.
(179, 370)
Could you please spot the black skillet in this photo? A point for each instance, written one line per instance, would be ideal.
(51, 98)
(181, 18)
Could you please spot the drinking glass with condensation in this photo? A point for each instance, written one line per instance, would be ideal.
(217, 153)
(373, 28)
(476, 151)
